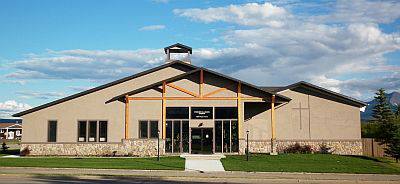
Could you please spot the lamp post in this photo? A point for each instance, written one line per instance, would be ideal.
(247, 146)
(158, 145)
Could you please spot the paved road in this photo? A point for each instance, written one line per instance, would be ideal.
(43, 175)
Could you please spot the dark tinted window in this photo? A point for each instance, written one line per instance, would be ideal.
(102, 131)
(143, 130)
(81, 131)
(52, 131)
(226, 113)
(153, 129)
(92, 131)
(177, 113)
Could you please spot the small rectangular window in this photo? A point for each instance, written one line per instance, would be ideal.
(92, 131)
(153, 129)
(143, 129)
(82, 131)
(52, 131)
(102, 131)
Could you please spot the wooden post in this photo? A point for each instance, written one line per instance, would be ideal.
(239, 109)
(164, 126)
(201, 83)
(273, 132)
(126, 117)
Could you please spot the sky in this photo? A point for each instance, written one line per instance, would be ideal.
(52, 49)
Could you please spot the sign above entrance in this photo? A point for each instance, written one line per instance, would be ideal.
(202, 113)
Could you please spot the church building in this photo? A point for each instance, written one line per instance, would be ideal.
(180, 108)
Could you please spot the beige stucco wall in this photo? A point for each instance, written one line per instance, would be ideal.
(89, 107)
(329, 120)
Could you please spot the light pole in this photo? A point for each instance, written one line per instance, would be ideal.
(158, 145)
(247, 149)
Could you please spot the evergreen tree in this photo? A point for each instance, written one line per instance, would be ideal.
(382, 113)
(388, 130)
(393, 146)
(397, 112)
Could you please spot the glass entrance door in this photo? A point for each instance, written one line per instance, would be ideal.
(226, 136)
(177, 137)
(202, 140)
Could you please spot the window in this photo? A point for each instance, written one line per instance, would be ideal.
(52, 131)
(143, 129)
(92, 131)
(148, 129)
(82, 131)
(177, 112)
(226, 113)
(102, 131)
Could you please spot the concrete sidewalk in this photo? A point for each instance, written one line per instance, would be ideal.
(152, 176)
(203, 163)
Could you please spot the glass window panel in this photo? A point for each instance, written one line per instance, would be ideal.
(218, 136)
(92, 131)
(143, 130)
(226, 113)
(168, 137)
(177, 113)
(153, 129)
(177, 137)
(235, 136)
(52, 131)
(82, 131)
(185, 136)
(227, 138)
(103, 131)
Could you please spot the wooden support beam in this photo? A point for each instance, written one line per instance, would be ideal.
(201, 83)
(194, 98)
(214, 92)
(126, 117)
(239, 109)
(273, 131)
(164, 112)
(182, 90)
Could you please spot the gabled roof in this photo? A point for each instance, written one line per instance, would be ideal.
(347, 99)
(280, 98)
(180, 48)
(10, 125)
(177, 62)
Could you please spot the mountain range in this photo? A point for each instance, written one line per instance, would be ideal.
(392, 98)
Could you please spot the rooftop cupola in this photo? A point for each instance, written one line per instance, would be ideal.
(178, 49)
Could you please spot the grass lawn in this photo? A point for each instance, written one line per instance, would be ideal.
(317, 163)
(165, 163)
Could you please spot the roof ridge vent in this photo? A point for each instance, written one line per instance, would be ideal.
(178, 49)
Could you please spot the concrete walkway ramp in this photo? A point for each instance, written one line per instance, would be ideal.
(203, 163)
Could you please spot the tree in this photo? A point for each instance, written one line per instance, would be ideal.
(388, 127)
(383, 117)
(393, 145)
(397, 112)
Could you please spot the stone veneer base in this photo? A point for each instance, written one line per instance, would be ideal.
(128, 147)
(340, 147)
(148, 147)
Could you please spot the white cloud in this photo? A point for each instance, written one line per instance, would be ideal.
(152, 28)
(86, 64)
(80, 88)
(250, 14)
(358, 11)
(39, 95)
(10, 107)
